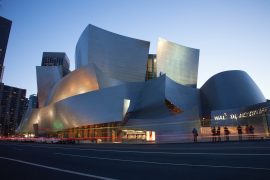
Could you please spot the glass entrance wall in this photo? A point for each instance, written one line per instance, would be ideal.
(140, 136)
(107, 132)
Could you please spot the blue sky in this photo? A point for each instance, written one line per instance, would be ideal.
(230, 34)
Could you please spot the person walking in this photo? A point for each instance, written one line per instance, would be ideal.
(213, 130)
(239, 130)
(195, 134)
(218, 134)
(226, 132)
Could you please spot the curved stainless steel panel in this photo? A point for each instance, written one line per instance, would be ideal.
(152, 93)
(104, 80)
(150, 103)
(47, 77)
(121, 58)
(228, 90)
(105, 105)
(77, 82)
(167, 126)
(178, 62)
(186, 98)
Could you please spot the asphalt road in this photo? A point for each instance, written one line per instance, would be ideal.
(232, 160)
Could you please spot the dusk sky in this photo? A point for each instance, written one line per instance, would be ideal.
(231, 35)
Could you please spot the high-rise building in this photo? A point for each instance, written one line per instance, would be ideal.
(12, 100)
(56, 59)
(5, 26)
(33, 101)
(12, 107)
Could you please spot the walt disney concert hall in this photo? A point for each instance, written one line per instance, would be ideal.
(121, 93)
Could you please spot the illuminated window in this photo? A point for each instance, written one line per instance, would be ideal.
(174, 109)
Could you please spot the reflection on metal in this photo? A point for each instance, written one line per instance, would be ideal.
(108, 90)
(121, 58)
(125, 106)
(186, 98)
(104, 80)
(150, 102)
(178, 62)
(77, 82)
(230, 89)
(146, 100)
(94, 107)
(47, 77)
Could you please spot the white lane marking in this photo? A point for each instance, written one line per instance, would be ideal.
(56, 169)
(152, 152)
(185, 148)
(165, 163)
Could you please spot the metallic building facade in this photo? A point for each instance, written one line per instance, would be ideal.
(232, 99)
(94, 107)
(119, 57)
(47, 77)
(228, 90)
(54, 66)
(77, 82)
(178, 62)
(121, 92)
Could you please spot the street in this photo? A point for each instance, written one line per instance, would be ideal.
(225, 160)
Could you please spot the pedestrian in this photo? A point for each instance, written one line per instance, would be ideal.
(247, 131)
(251, 132)
(226, 132)
(218, 134)
(239, 130)
(213, 130)
(195, 134)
